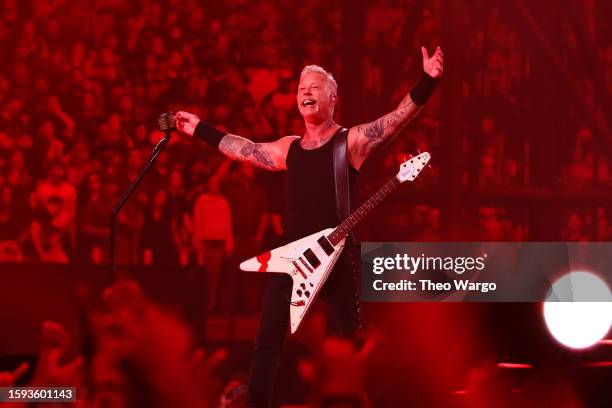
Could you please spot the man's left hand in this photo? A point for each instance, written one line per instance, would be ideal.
(434, 65)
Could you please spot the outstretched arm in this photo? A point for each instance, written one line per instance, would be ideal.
(269, 156)
(365, 138)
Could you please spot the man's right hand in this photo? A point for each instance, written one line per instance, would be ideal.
(186, 122)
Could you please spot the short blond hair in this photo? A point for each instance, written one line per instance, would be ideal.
(320, 70)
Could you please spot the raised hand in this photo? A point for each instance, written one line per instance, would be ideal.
(10, 378)
(434, 65)
(51, 370)
(146, 344)
(186, 122)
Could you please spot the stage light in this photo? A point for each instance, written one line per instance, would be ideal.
(574, 319)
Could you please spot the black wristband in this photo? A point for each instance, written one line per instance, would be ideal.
(421, 91)
(208, 133)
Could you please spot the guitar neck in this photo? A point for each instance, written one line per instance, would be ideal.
(359, 214)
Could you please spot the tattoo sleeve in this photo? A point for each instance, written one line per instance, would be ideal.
(241, 149)
(388, 126)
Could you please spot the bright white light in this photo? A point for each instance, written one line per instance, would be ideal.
(574, 321)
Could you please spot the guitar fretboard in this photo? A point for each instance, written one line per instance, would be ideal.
(359, 214)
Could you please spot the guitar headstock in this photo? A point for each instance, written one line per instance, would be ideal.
(410, 169)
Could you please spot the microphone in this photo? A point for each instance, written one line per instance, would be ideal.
(166, 122)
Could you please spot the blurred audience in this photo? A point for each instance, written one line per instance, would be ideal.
(141, 355)
(213, 238)
(80, 92)
(86, 82)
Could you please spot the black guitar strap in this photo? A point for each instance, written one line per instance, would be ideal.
(341, 174)
(343, 208)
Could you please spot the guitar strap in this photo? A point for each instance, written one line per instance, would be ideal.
(343, 208)
(341, 174)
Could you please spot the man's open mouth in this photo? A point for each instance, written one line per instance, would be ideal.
(308, 102)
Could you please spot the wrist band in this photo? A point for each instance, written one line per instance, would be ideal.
(421, 91)
(208, 133)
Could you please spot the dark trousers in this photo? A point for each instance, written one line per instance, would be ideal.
(343, 320)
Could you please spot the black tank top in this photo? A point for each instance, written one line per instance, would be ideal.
(311, 192)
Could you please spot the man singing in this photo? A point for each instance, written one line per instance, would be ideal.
(311, 197)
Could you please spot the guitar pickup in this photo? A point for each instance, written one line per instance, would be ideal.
(326, 245)
(311, 258)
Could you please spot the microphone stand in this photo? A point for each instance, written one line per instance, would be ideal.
(157, 149)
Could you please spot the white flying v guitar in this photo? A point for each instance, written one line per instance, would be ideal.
(310, 260)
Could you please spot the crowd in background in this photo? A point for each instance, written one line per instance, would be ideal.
(141, 355)
(86, 80)
(82, 84)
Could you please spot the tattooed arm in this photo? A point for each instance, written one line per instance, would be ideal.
(365, 138)
(269, 156)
